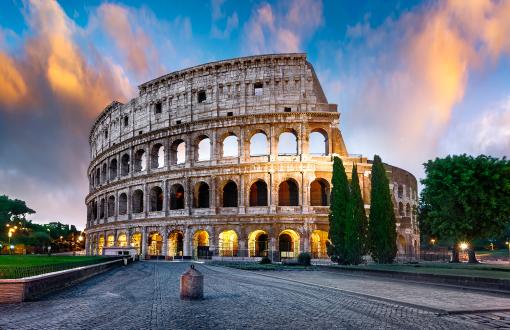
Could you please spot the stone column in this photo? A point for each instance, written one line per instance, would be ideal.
(87, 244)
(241, 192)
(144, 242)
(164, 232)
(166, 196)
(187, 243)
(273, 145)
(270, 195)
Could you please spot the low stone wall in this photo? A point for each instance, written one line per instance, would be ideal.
(30, 288)
(489, 284)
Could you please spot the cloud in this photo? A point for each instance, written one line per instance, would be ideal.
(217, 15)
(282, 28)
(407, 75)
(12, 84)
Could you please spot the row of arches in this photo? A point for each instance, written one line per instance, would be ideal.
(259, 146)
(288, 195)
(406, 211)
(288, 244)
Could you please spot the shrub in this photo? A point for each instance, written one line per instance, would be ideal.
(304, 259)
(265, 260)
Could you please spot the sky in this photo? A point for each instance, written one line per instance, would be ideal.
(413, 80)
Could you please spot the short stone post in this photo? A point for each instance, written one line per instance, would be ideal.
(192, 284)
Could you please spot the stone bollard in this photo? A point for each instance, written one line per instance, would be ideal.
(192, 284)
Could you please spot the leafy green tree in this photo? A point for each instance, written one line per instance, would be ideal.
(382, 232)
(338, 210)
(356, 223)
(465, 198)
(11, 210)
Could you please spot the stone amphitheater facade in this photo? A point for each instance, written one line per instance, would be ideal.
(226, 159)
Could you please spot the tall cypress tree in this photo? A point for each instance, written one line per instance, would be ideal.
(338, 208)
(382, 232)
(356, 223)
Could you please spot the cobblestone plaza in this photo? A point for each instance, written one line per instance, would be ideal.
(145, 295)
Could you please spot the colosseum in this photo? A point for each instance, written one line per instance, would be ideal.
(229, 159)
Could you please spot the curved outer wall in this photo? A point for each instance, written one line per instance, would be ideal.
(204, 200)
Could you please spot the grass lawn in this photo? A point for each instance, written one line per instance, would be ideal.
(18, 266)
(257, 266)
(476, 270)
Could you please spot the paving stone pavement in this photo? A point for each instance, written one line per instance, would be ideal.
(145, 295)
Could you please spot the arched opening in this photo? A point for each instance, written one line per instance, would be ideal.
(288, 193)
(201, 195)
(136, 242)
(288, 244)
(318, 240)
(287, 144)
(122, 240)
(228, 245)
(176, 197)
(103, 173)
(124, 165)
(113, 169)
(318, 144)
(100, 245)
(98, 177)
(204, 149)
(94, 210)
(230, 146)
(156, 199)
(155, 244)
(401, 244)
(137, 201)
(258, 193)
(319, 193)
(230, 194)
(140, 161)
(157, 156)
(111, 206)
(122, 204)
(110, 241)
(102, 208)
(201, 244)
(400, 191)
(258, 243)
(259, 145)
(178, 152)
(401, 209)
(408, 210)
(176, 244)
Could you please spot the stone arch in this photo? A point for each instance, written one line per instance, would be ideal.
(230, 194)
(230, 146)
(288, 243)
(100, 244)
(113, 169)
(408, 210)
(203, 148)
(111, 206)
(288, 193)
(122, 204)
(154, 244)
(177, 197)
(137, 201)
(110, 240)
(228, 243)
(401, 209)
(175, 243)
(319, 192)
(288, 143)
(156, 199)
(401, 244)
(136, 241)
(122, 240)
(201, 244)
(178, 152)
(98, 177)
(258, 243)
(259, 145)
(258, 193)
(140, 161)
(124, 165)
(157, 156)
(318, 240)
(103, 173)
(201, 195)
(318, 142)
(400, 190)
(102, 208)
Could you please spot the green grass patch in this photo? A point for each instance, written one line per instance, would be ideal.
(258, 266)
(474, 270)
(28, 265)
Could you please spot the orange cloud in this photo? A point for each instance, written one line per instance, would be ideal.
(12, 85)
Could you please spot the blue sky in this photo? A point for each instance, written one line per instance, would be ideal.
(413, 79)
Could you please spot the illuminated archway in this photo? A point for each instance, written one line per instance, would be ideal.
(258, 243)
(110, 241)
(100, 245)
(318, 241)
(228, 244)
(288, 244)
(122, 240)
(201, 244)
(401, 244)
(175, 244)
(136, 242)
(155, 244)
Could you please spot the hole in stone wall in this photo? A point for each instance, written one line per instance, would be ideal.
(258, 89)
(201, 96)
(157, 108)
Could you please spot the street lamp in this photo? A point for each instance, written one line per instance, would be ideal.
(463, 246)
